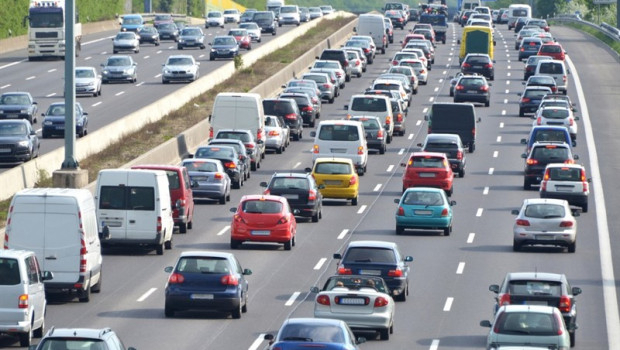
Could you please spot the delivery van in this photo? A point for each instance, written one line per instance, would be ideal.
(60, 226)
(454, 118)
(239, 111)
(555, 69)
(343, 139)
(476, 39)
(135, 206)
(518, 10)
(373, 105)
(374, 26)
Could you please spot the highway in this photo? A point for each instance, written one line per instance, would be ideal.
(450, 275)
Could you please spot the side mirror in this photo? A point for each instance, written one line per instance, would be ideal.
(313, 133)
(346, 107)
(263, 184)
(576, 118)
(269, 337)
(479, 120)
(283, 86)
(314, 289)
(32, 132)
(575, 157)
(396, 200)
(102, 65)
(514, 212)
(408, 258)
(523, 83)
(524, 141)
(360, 340)
(168, 269)
(494, 288)
(321, 186)
(247, 272)
(48, 275)
(105, 234)
(576, 212)
(485, 323)
(308, 170)
(576, 291)
(426, 117)
(519, 94)
(452, 203)
(337, 256)
(233, 210)
(523, 155)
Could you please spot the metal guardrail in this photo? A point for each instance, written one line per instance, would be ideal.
(610, 31)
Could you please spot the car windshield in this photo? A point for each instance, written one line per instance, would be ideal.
(333, 168)
(179, 61)
(125, 36)
(132, 21)
(191, 32)
(544, 211)
(311, 333)
(119, 62)
(203, 265)
(166, 26)
(369, 104)
(148, 30)
(370, 255)
(72, 343)
(355, 43)
(214, 14)
(294, 183)
(249, 25)
(15, 100)
(356, 283)
(262, 16)
(423, 198)
(369, 124)
(326, 64)
(526, 323)
(288, 9)
(13, 129)
(261, 207)
(224, 41)
(553, 113)
(206, 167)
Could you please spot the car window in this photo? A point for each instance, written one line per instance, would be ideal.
(214, 152)
(32, 269)
(201, 166)
(333, 168)
(278, 107)
(355, 283)
(427, 162)
(9, 272)
(127, 198)
(565, 174)
(289, 183)
(537, 94)
(551, 68)
(318, 333)
(203, 265)
(13, 129)
(550, 135)
(549, 153)
(372, 255)
(84, 73)
(174, 182)
(546, 288)
(423, 198)
(369, 104)
(243, 137)
(72, 344)
(339, 133)
(530, 323)
(544, 211)
(369, 124)
(261, 207)
(555, 113)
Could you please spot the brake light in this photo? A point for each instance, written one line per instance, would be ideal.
(522, 222)
(249, 145)
(565, 304)
(523, 49)
(327, 85)
(488, 65)
(22, 302)
(394, 62)
(267, 191)
(381, 302)
(323, 300)
(366, 50)
(569, 161)
(312, 195)
(176, 278)
(83, 252)
(399, 117)
(584, 181)
(158, 226)
(571, 121)
(484, 88)
(380, 134)
(564, 78)
(459, 87)
(307, 109)
(360, 150)
(388, 120)
(466, 65)
(459, 155)
(218, 176)
(353, 180)
(260, 133)
(229, 280)
(543, 184)
(473, 132)
(395, 273)
(444, 212)
(525, 99)
(401, 211)
(357, 63)
(538, 121)
(344, 271)
(504, 299)
(291, 116)
(273, 133)
(566, 224)
(239, 219)
(283, 220)
(230, 165)
(339, 74)
(315, 149)
(422, 71)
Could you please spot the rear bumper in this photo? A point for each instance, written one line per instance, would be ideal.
(423, 222)
(375, 320)
(572, 198)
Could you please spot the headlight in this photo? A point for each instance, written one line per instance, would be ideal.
(47, 122)
(79, 122)
(213, 50)
(92, 83)
(166, 71)
(23, 143)
(1, 111)
(23, 111)
(181, 40)
(105, 72)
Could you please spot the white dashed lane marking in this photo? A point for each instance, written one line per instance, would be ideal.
(292, 299)
(222, 231)
(460, 268)
(448, 305)
(320, 263)
(377, 188)
(343, 233)
(479, 212)
(485, 191)
(146, 295)
(470, 238)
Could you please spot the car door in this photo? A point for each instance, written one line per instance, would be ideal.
(36, 289)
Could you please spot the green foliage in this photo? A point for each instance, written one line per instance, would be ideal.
(238, 62)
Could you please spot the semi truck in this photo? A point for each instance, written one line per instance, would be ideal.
(46, 29)
(439, 23)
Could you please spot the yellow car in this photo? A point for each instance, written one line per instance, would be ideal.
(336, 178)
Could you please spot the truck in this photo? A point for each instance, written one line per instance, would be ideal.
(439, 23)
(46, 29)
(274, 5)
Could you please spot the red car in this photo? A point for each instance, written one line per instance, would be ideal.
(554, 50)
(243, 38)
(411, 37)
(263, 218)
(428, 169)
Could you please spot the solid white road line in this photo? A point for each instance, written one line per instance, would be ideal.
(259, 340)
(390, 168)
(361, 209)
(485, 191)
(146, 295)
(296, 165)
(434, 344)
(291, 300)
(448, 305)
(612, 315)
(222, 231)
(96, 104)
(460, 268)
(479, 212)
(470, 238)
(320, 263)
(343, 234)
(491, 170)
(376, 188)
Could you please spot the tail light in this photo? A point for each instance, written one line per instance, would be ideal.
(176, 278)
(353, 180)
(249, 145)
(218, 176)
(366, 50)
(339, 74)
(543, 184)
(273, 133)
(399, 118)
(230, 165)
(259, 134)
(484, 88)
(504, 299)
(422, 71)
(158, 227)
(283, 220)
(558, 323)
(401, 211)
(210, 132)
(346, 63)
(565, 304)
(267, 191)
(488, 65)
(360, 150)
(22, 301)
(523, 49)
(315, 100)
(333, 80)
(521, 222)
(395, 273)
(357, 63)
(344, 271)
(291, 116)
(539, 121)
(564, 78)
(531, 161)
(323, 300)
(388, 120)
(525, 100)
(307, 109)
(466, 65)
(459, 155)
(554, 89)
(327, 86)
(567, 223)
(83, 250)
(569, 161)
(315, 149)
(380, 134)
(381, 302)
(571, 121)
(473, 132)
(239, 219)
(459, 87)
(312, 195)
(444, 212)
(584, 181)
(229, 280)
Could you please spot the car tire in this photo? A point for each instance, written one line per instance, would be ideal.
(347, 78)
(234, 244)
(521, 113)
(39, 332)
(253, 166)
(331, 100)
(402, 296)
(280, 149)
(451, 93)
(516, 246)
(572, 338)
(159, 249)
(288, 244)
(359, 75)
(462, 173)
(450, 191)
(168, 244)
(447, 230)
(164, 81)
(236, 312)
(527, 185)
(354, 201)
(84, 295)
(584, 207)
(168, 311)
(400, 230)
(384, 334)
(183, 227)
(96, 288)
(572, 247)
(315, 217)
(179, 47)
(382, 149)
(25, 339)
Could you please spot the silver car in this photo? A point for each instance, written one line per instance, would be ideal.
(191, 37)
(277, 134)
(355, 62)
(119, 68)
(253, 30)
(360, 54)
(544, 221)
(87, 81)
(332, 66)
(329, 90)
(180, 68)
(362, 301)
(555, 115)
(208, 179)
(126, 41)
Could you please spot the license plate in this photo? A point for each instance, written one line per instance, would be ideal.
(61, 127)
(370, 272)
(454, 166)
(222, 52)
(351, 301)
(5, 150)
(427, 174)
(423, 212)
(472, 92)
(564, 188)
(332, 182)
(260, 233)
(535, 302)
(202, 296)
(545, 237)
(111, 224)
(200, 178)
(291, 196)
(12, 116)
(338, 150)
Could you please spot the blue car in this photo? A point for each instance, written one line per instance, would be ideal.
(206, 280)
(54, 120)
(424, 208)
(316, 333)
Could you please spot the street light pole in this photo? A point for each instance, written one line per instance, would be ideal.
(70, 162)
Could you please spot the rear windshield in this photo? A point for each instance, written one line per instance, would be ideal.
(215, 152)
(441, 146)
(9, 272)
(369, 124)
(369, 104)
(536, 94)
(317, 78)
(173, 179)
(204, 265)
(551, 68)
(550, 135)
(526, 323)
(550, 153)
(278, 107)
(555, 113)
(339, 133)
(427, 162)
(127, 198)
(423, 198)
(295, 183)
(565, 174)
(371, 255)
(549, 288)
(544, 211)
(243, 137)
(550, 48)
(317, 333)
(301, 100)
(384, 86)
(207, 167)
(262, 207)
(333, 168)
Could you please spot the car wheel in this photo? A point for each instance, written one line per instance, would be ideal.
(115, 51)
(527, 185)
(168, 244)
(237, 184)
(296, 137)
(234, 244)
(84, 295)
(97, 287)
(164, 81)
(402, 296)
(572, 338)
(315, 217)
(253, 166)
(312, 124)
(39, 332)
(244, 308)
(359, 75)
(25, 339)
(236, 312)
(179, 47)
(331, 100)
(584, 207)
(400, 230)
(447, 230)
(462, 172)
(451, 93)
(383, 50)
(168, 311)
(159, 249)
(183, 227)
(288, 244)
(521, 113)
(516, 246)
(572, 247)
(382, 149)
(487, 103)
(354, 201)
(279, 150)
(450, 191)
(384, 334)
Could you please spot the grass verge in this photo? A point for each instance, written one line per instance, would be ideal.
(154, 134)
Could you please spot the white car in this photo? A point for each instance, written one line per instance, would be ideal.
(253, 30)
(126, 41)
(568, 182)
(355, 62)
(232, 16)
(87, 81)
(277, 134)
(419, 68)
(214, 19)
(360, 54)
(333, 66)
(410, 73)
(289, 14)
(555, 115)
(180, 68)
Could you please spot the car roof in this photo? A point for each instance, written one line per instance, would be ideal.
(238, 131)
(543, 144)
(206, 253)
(90, 333)
(14, 253)
(157, 167)
(423, 189)
(297, 175)
(262, 197)
(453, 138)
(562, 165)
(546, 276)
(432, 154)
(313, 321)
(372, 244)
(527, 308)
(530, 201)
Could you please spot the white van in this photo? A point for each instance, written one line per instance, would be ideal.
(374, 26)
(22, 295)
(376, 106)
(518, 10)
(556, 69)
(470, 4)
(240, 111)
(343, 139)
(60, 226)
(135, 206)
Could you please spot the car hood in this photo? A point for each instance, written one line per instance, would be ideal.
(13, 107)
(192, 37)
(167, 31)
(224, 47)
(125, 41)
(85, 80)
(7, 140)
(117, 68)
(148, 35)
(180, 67)
(57, 118)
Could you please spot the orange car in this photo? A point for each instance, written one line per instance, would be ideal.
(428, 169)
(553, 50)
(263, 218)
